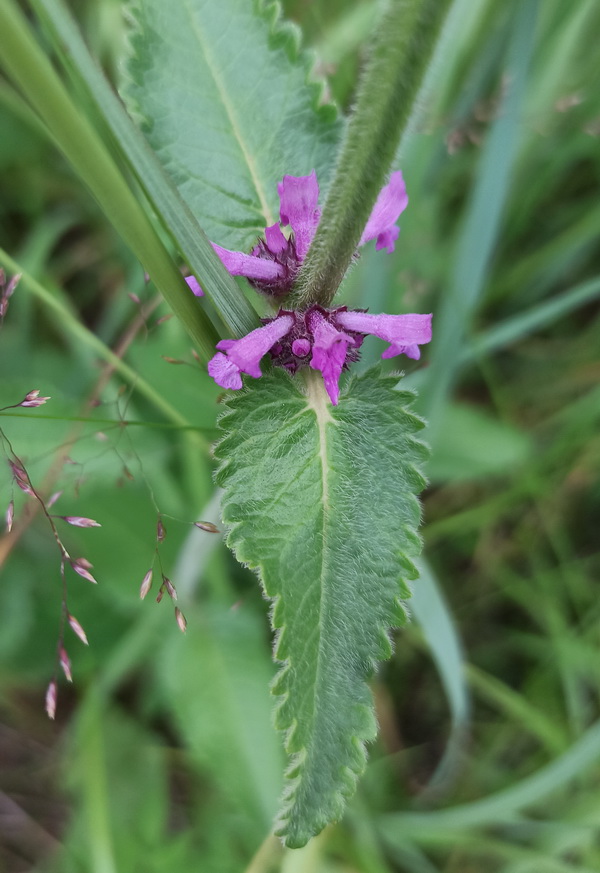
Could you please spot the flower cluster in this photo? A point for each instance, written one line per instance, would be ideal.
(323, 339)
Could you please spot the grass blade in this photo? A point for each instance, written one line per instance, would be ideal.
(483, 222)
(25, 61)
(218, 285)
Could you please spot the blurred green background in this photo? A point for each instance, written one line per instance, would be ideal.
(162, 756)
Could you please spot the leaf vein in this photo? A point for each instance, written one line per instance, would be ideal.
(230, 110)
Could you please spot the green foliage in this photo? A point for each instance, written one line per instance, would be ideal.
(24, 60)
(191, 240)
(400, 54)
(321, 501)
(233, 114)
(160, 776)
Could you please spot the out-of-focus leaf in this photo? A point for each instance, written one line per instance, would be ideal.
(216, 682)
(433, 615)
(504, 805)
(470, 444)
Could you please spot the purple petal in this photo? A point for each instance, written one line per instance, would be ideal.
(244, 355)
(224, 372)
(392, 201)
(404, 332)
(329, 353)
(299, 196)
(411, 351)
(276, 241)
(387, 239)
(194, 286)
(224, 345)
(239, 264)
(248, 350)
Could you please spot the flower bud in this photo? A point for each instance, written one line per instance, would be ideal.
(208, 526)
(77, 629)
(82, 567)
(170, 588)
(80, 521)
(180, 619)
(65, 663)
(34, 399)
(146, 584)
(10, 288)
(21, 478)
(51, 699)
(10, 514)
(52, 500)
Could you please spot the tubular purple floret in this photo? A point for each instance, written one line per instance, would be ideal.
(328, 340)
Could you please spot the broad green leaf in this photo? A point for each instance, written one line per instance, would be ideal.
(320, 500)
(226, 103)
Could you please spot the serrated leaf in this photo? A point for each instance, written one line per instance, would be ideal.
(321, 501)
(226, 103)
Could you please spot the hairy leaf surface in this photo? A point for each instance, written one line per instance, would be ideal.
(321, 501)
(225, 100)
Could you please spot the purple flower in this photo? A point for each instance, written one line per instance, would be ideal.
(390, 204)
(274, 263)
(324, 339)
(329, 351)
(404, 332)
(194, 286)
(243, 355)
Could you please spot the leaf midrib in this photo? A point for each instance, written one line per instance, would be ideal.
(231, 114)
(319, 404)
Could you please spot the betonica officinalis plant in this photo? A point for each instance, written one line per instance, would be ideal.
(230, 161)
(249, 271)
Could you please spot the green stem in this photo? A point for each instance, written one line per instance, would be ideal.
(218, 285)
(71, 325)
(268, 852)
(401, 52)
(26, 63)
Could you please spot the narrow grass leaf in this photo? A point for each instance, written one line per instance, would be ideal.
(25, 61)
(71, 326)
(482, 222)
(218, 285)
(536, 318)
(433, 615)
(505, 805)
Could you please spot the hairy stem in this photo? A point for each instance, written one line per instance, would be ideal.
(400, 54)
